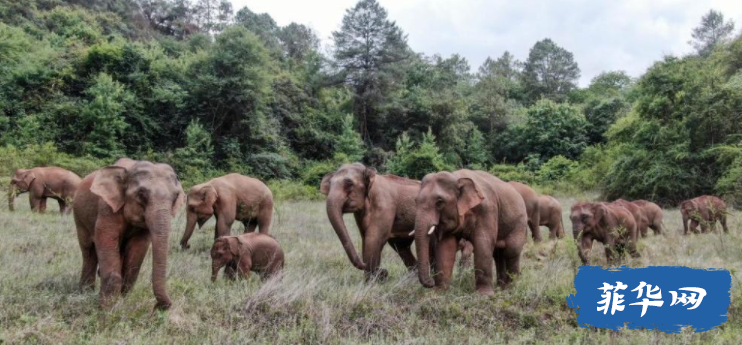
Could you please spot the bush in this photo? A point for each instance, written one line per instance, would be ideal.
(415, 162)
(556, 169)
(510, 172)
(284, 190)
(315, 171)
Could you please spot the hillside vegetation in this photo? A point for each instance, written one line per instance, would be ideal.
(211, 89)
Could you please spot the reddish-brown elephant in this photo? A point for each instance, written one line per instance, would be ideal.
(637, 212)
(384, 210)
(704, 210)
(610, 224)
(118, 211)
(42, 183)
(531, 198)
(244, 253)
(654, 215)
(229, 198)
(550, 216)
(478, 207)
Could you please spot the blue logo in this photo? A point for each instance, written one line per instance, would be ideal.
(659, 297)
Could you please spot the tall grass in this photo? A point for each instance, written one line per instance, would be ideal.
(320, 298)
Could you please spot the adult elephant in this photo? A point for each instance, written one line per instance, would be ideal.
(642, 223)
(550, 215)
(118, 211)
(384, 210)
(42, 183)
(478, 207)
(531, 199)
(654, 215)
(229, 198)
(608, 223)
(704, 210)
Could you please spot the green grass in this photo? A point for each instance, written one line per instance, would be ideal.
(322, 298)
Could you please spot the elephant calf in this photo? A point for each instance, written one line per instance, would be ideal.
(244, 253)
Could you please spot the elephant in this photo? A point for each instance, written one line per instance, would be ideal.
(467, 251)
(654, 215)
(384, 210)
(229, 198)
(610, 224)
(241, 254)
(475, 206)
(531, 198)
(704, 210)
(550, 215)
(42, 183)
(118, 211)
(641, 220)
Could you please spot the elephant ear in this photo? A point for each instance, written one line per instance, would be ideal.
(324, 186)
(369, 176)
(469, 196)
(178, 204)
(209, 195)
(28, 178)
(110, 185)
(600, 212)
(234, 245)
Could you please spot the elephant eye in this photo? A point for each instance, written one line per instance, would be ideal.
(142, 196)
(439, 202)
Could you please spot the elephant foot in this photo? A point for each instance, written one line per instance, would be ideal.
(184, 246)
(163, 305)
(485, 291)
(381, 275)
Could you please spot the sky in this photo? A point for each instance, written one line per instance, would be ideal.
(603, 35)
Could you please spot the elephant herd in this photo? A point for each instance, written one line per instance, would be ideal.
(121, 209)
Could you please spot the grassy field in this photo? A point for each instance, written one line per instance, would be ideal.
(322, 299)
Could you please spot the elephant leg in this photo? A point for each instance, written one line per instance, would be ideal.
(535, 230)
(135, 250)
(483, 254)
(34, 202)
(499, 267)
(109, 257)
(42, 205)
(704, 226)
(373, 244)
(223, 226)
(585, 249)
(244, 266)
(723, 221)
(404, 250)
(89, 266)
(62, 206)
(265, 216)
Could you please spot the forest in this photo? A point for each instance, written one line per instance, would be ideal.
(211, 89)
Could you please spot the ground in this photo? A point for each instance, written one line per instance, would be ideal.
(322, 298)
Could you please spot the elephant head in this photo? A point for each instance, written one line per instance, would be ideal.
(687, 210)
(347, 190)
(443, 201)
(147, 195)
(19, 183)
(200, 207)
(225, 250)
(586, 217)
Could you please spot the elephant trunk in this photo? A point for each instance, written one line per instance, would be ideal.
(191, 219)
(11, 196)
(335, 214)
(215, 267)
(158, 221)
(685, 222)
(422, 244)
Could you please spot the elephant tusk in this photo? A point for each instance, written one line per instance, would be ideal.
(411, 233)
(432, 228)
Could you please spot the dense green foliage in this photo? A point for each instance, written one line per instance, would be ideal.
(210, 90)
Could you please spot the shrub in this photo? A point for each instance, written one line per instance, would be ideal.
(416, 162)
(510, 172)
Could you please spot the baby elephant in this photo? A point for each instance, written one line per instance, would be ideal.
(241, 254)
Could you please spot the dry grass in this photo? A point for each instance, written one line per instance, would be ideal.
(321, 298)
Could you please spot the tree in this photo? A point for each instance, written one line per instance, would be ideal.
(496, 92)
(349, 145)
(213, 15)
(416, 162)
(101, 123)
(367, 47)
(549, 72)
(712, 31)
(553, 129)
